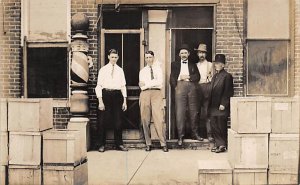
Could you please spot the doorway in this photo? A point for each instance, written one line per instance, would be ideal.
(192, 26)
(192, 37)
(131, 59)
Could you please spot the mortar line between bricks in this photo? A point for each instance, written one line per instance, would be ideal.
(138, 168)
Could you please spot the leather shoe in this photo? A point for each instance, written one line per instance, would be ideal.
(196, 137)
(221, 149)
(211, 139)
(165, 149)
(101, 149)
(148, 148)
(214, 149)
(180, 141)
(122, 148)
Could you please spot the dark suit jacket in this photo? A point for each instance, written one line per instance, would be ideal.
(221, 91)
(175, 70)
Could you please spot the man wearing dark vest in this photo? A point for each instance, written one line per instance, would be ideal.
(183, 79)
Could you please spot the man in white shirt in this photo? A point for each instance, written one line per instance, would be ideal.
(111, 94)
(206, 72)
(183, 79)
(151, 101)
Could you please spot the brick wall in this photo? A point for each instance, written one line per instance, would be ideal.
(90, 8)
(297, 47)
(229, 39)
(10, 49)
(61, 116)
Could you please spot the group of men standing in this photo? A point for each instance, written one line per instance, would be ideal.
(204, 92)
(200, 91)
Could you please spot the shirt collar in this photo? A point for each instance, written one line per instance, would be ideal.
(185, 62)
(111, 64)
(149, 66)
(204, 61)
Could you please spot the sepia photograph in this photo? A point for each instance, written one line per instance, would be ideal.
(149, 92)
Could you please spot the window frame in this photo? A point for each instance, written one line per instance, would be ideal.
(170, 53)
(288, 47)
(58, 102)
(291, 56)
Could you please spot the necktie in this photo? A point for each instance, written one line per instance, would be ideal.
(151, 70)
(112, 71)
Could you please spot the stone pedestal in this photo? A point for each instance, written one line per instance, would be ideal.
(81, 124)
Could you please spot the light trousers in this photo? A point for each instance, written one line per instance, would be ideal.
(151, 106)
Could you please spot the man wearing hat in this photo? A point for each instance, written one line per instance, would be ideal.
(206, 73)
(219, 106)
(184, 78)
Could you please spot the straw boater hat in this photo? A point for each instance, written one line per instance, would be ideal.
(201, 47)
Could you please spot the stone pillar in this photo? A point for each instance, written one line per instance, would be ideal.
(80, 64)
(157, 31)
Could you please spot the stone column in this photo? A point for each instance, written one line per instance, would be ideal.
(157, 31)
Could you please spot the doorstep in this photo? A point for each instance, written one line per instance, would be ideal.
(172, 144)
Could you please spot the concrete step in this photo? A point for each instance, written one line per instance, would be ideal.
(172, 144)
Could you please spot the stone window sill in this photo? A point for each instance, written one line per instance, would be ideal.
(63, 102)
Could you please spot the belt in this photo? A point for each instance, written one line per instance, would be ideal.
(105, 89)
(158, 89)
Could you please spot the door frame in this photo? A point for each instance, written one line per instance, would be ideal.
(128, 134)
(122, 31)
(170, 54)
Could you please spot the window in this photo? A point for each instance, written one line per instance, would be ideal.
(192, 25)
(267, 67)
(122, 20)
(268, 48)
(47, 73)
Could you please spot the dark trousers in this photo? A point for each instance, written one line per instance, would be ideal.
(219, 129)
(203, 95)
(186, 97)
(112, 114)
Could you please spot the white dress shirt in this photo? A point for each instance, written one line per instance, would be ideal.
(184, 69)
(111, 80)
(145, 76)
(205, 70)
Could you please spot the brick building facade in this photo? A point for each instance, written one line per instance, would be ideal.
(229, 36)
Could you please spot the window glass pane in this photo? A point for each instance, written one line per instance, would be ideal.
(47, 73)
(113, 41)
(131, 58)
(122, 20)
(192, 37)
(268, 19)
(267, 68)
(192, 17)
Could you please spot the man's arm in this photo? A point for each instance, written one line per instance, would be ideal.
(98, 91)
(124, 92)
(228, 91)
